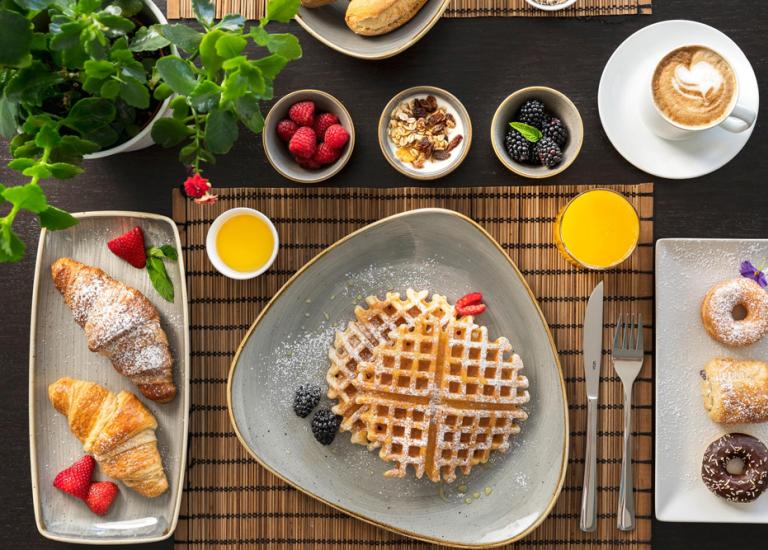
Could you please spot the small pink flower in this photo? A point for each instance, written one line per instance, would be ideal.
(198, 188)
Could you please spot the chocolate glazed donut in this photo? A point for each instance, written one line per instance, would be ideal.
(744, 487)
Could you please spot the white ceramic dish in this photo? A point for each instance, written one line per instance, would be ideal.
(213, 253)
(625, 85)
(551, 7)
(58, 348)
(685, 270)
(288, 344)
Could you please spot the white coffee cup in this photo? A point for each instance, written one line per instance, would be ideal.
(738, 118)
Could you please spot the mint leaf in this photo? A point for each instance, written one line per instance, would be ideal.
(159, 278)
(531, 133)
(166, 252)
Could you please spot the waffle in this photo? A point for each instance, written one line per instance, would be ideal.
(357, 342)
(441, 397)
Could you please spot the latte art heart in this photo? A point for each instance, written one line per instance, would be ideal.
(694, 86)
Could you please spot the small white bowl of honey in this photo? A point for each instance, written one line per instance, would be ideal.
(242, 243)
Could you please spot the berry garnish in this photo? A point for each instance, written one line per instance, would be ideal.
(325, 424)
(100, 497)
(323, 122)
(548, 152)
(336, 136)
(532, 113)
(302, 113)
(326, 154)
(76, 479)
(130, 247)
(518, 148)
(470, 304)
(286, 128)
(303, 143)
(306, 398)
(556, 130)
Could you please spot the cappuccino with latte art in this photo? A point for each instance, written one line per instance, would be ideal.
(694, 87)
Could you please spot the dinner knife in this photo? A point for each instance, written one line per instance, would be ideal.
(593, 354)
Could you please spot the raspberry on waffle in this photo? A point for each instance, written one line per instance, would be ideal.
(441, 397)
(357, 342)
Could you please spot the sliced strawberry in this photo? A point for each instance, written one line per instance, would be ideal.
(100, 497)
(472, 309)
(130, 247)
(76, 479)
(471, 298)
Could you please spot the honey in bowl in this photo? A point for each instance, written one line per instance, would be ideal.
(597, 229)
(242, 243)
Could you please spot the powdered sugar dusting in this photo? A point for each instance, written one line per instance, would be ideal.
(720, 303)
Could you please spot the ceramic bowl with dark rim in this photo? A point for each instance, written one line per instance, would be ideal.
(555, 103)
(326, 23)
(432, 169)
(276, 150)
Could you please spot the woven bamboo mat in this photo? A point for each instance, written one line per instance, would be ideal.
(253, 9)
(232, 502)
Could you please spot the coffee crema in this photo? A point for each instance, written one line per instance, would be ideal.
(694, 86)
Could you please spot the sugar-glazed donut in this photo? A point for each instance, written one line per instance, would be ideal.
(739, 487)
(717, 312)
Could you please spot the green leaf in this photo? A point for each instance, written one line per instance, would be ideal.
(99, 68)
(90, 113)
(117, 25)
(54, 219)
(11, 246)
(211, 59)
(205, 96)
(234, 86)
(166, 252)
(8, 110)
(64, 170)
(48, 136)
(285, 45)
(134, 93)
(177, 73)
(162, 92)
(32, 84)
(271, 65)
(204, 11)
(29, 197)
(531, 133)
(128, 7)
(34, 5)
(231, 22)
(249, 113)
(73, 147)
(230, 45)
(68, 36)
(21, 164)
(110, 89)
(184, 37)
(220, 131)
(159, 278)
(148, 39)
(282, 10)
(39, 171)
(254, 77)
(15, 39)
(168, 132)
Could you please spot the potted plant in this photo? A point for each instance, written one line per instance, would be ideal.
(94, 77)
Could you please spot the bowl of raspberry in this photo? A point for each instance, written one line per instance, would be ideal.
(308, 136)
(537, 132)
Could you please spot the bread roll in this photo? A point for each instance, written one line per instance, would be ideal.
(374, 17)
(735, 391)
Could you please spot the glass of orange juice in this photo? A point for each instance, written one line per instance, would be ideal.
(597, 229)
(242, 243)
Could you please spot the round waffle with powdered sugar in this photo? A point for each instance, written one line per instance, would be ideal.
(357, 343)
(440, 396)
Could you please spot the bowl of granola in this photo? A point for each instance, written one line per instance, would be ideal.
(425, 132)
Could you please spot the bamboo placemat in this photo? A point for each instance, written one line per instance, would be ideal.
(232, 502)
(253, 9)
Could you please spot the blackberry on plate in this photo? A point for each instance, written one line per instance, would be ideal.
(306, 398)
(518, 148)
(556, 130)
(548, 152)
(325, 424)
(532, 113)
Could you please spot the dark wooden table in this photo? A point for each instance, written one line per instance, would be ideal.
(479, 60)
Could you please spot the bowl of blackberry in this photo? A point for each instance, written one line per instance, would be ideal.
(537, 132)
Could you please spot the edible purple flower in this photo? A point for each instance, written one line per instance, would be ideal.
(749, 271)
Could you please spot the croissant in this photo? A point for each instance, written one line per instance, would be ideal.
(117, 429)
(121, 324)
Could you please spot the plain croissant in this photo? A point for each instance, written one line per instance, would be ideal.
(121, 324)
(117, 429)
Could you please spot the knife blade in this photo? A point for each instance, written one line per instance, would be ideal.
(593, 353)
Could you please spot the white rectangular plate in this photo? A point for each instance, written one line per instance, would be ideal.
(58, 348)
(685, 270)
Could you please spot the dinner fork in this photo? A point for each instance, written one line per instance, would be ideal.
(628, 357)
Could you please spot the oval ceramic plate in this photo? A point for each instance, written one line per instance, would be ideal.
(434, 249)
(58, 348)
(327, 24)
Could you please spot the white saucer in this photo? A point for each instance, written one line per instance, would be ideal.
(626, 81)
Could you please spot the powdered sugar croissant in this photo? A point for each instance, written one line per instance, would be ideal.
(117, 429)
(121, 324)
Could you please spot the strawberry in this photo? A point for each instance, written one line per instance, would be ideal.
(303, 143)
(472, 309)
(76, 479)
(302, 113)
(130, 247)
(100, 497)
(323, 122)
(326, 154)
(470, 304)
(336, 136)
(286, 128)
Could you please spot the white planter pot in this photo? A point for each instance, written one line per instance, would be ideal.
(143, 139)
